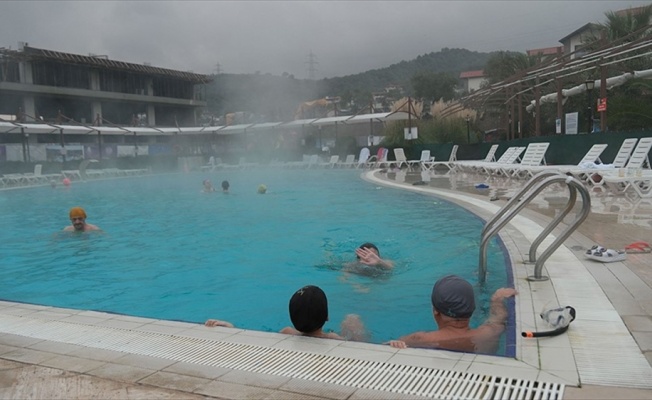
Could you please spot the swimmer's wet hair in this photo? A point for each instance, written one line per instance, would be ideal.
(369, 245)
(308, 309)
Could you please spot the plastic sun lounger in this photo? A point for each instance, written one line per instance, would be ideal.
(590, 157)
(425, 158)
(349, 162)
(509, 157)
(490, 157)
(633, 175)
(401, 160)
(448, 164)
(533, 158)
(363, 158)
(592, 177)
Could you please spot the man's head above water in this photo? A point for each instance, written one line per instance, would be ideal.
(77, 218)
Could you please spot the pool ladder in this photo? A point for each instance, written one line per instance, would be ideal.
(519, 201)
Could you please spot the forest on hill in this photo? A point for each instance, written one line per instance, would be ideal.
(266, 97)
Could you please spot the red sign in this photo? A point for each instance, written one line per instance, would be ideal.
(602, 105)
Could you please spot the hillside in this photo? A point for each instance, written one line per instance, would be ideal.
(275, 98)
(448, 60)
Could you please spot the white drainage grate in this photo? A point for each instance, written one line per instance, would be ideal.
(395, 378)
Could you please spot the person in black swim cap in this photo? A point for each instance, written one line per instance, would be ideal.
(309, 312)
(225, 186)
(453, 303)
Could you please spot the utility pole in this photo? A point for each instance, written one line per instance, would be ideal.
(312, 65)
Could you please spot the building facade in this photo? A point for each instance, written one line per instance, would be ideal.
(51, 86)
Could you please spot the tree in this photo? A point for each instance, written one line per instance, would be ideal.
(504, 64)
(431, 86)
(621, 24)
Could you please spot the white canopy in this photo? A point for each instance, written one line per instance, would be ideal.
(36, 128)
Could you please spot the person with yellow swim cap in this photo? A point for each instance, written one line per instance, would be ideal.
(78, 221)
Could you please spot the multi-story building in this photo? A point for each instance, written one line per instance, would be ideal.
(51, 86)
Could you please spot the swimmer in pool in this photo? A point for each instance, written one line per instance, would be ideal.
(78, 220)
(453, 303)
(225, 186)
(368, 254)
(208, 186)
(309, 312)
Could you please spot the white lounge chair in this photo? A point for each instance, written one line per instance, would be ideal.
(425, 158)
(589, 158)
(331, 162)
(37, 177)
(379, 160)
(448, 164)
(533, 158)
(592, 176)
(349, 162)
(464, 164)
(363, 158)
(509, 157)
(401, 160)
(636, 174)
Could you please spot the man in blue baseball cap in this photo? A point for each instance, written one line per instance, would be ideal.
(453, 303)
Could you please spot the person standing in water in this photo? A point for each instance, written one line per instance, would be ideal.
(208, 186)
(309, 312)
(78, 220)
(453, 303)
(225, 186)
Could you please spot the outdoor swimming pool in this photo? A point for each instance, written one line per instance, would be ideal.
(169, 251)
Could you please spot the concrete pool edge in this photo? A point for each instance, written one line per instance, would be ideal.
(599, 346)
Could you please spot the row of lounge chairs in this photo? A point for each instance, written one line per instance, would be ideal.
(630, 168)
(38, 178)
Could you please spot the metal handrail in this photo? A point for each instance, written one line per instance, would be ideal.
(536, 178)
(508, 212)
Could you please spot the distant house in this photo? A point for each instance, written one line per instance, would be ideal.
(546, 53)
(574, 42)
(471, 80)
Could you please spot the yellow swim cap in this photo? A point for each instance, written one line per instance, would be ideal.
(262, 189)
(77, 212)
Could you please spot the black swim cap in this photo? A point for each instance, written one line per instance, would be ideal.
(308, 309)
(453, 296)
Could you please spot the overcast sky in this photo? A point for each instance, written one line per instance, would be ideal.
(346, 37)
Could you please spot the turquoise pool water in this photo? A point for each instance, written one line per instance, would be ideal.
(169, 251)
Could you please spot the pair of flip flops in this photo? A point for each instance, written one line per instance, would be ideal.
(602, 254)
(638, 247)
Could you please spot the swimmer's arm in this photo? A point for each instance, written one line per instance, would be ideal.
(288, 330)
(386, 264)
(217, 322)
(416, 339)
(498, 311)
(369, 257)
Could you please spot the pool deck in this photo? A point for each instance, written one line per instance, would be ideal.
(48, 352)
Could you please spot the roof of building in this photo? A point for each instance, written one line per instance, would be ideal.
(579, 31)
(545, 51)
(631, 11)
(472, 74)
(42, 54)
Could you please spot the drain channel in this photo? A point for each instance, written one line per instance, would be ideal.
(396, 378)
